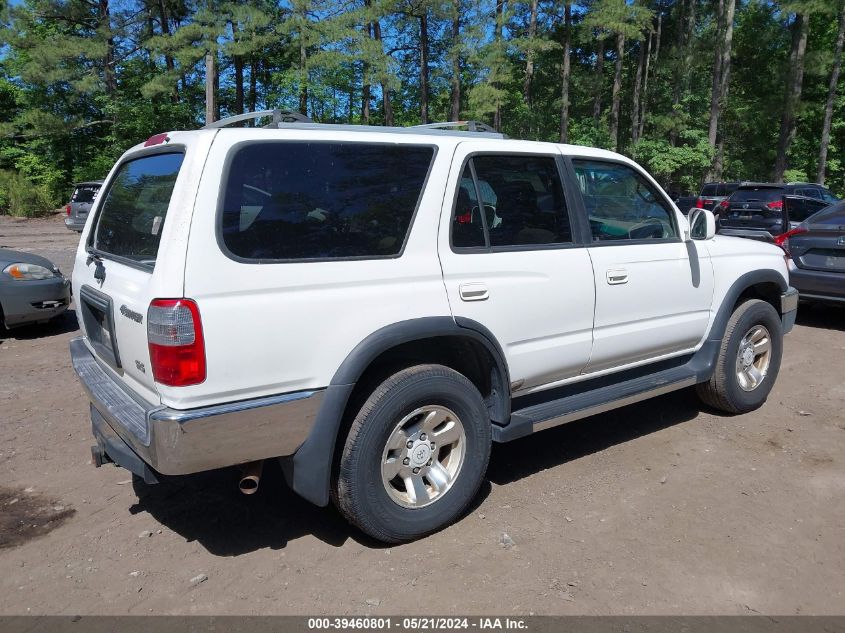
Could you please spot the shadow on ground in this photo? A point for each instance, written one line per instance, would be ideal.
(209, 509)
(820, 315)
(62, 324)
(553, 447)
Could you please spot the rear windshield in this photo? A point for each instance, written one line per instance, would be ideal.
(298, 200)
(832, 216)
(132, 215)
(757, 194)
(85, 193)
(718, 189)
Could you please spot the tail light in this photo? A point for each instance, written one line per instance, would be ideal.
(699, 203)
(67, 210)
(177, 348)
(782, 240)
(775, 205)
(464, 218)
(724, 204)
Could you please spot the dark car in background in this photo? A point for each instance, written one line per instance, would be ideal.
(32, 289)
(816, 251)
(84, 194)
(712, 193)
(757, 210)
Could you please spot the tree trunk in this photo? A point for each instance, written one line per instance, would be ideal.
(617, 87)
(165, 30)
(599, 79)
(303, 75)
(800, 30)
(385, 89)
(216, 88)
(497, 34)
(680, 72)
(365, 81)
(104, 23)
(831, 97)
(253, 82)
(635, 101)
(716, 84)
(424, 66)
(724, 84)
(210, 105)
(455, 80)
(565, 72)
(529, 56)
(648, 65)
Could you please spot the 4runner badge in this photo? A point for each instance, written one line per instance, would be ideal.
(131, 314)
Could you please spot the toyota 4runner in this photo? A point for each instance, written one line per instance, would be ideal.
(375, 306)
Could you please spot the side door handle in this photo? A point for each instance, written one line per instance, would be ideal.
(616, 277)
(474, 292)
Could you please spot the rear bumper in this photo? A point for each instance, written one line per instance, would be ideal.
(32, 301)
(789, 308)
(174, 442)
(818, 284)
(75, 224)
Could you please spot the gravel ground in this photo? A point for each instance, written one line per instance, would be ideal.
(657, 508)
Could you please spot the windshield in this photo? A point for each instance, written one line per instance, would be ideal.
(132, 216)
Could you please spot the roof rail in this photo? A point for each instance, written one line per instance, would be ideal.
(472, 126)
(278, 116)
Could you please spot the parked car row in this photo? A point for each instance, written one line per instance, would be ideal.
(805, 219)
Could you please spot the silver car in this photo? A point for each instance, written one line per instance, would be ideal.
(32, 289)
(84, 194)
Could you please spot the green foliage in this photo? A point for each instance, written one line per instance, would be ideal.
(82, 81)
(21, 197)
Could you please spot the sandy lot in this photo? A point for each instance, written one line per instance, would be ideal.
(657, 508)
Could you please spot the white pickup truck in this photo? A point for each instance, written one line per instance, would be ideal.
(375, 306)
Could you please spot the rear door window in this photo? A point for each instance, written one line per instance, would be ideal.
(85, 194)
(291, 200)
(132, 215)
(760, 194)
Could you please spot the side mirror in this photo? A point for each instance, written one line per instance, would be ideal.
(702, 224)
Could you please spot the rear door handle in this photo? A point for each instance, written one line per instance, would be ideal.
(616, 277)
(474, 292)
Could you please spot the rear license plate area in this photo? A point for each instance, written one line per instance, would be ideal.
(98, 319)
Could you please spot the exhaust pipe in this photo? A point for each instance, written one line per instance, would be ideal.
(250, 476)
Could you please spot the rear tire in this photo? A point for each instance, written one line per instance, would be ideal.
(749, 359)
(415, 455)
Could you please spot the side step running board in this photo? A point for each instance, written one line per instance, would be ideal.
(581, 405)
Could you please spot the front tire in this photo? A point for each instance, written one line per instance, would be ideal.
(749, 359)
(415, 455)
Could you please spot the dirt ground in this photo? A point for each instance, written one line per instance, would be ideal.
(657, 508)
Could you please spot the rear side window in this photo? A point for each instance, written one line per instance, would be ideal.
(85, 194)
(133, 213)
(757, 194)
(522, 203)
(298, 200)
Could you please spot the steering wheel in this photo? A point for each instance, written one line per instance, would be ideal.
(645, 224)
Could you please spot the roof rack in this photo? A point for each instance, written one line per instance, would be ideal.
(290, 118)
(472, 126)
(278, 116)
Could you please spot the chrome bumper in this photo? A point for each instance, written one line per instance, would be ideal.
(174, 442)
(789, 308)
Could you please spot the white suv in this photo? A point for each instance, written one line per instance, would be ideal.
(375, 306)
